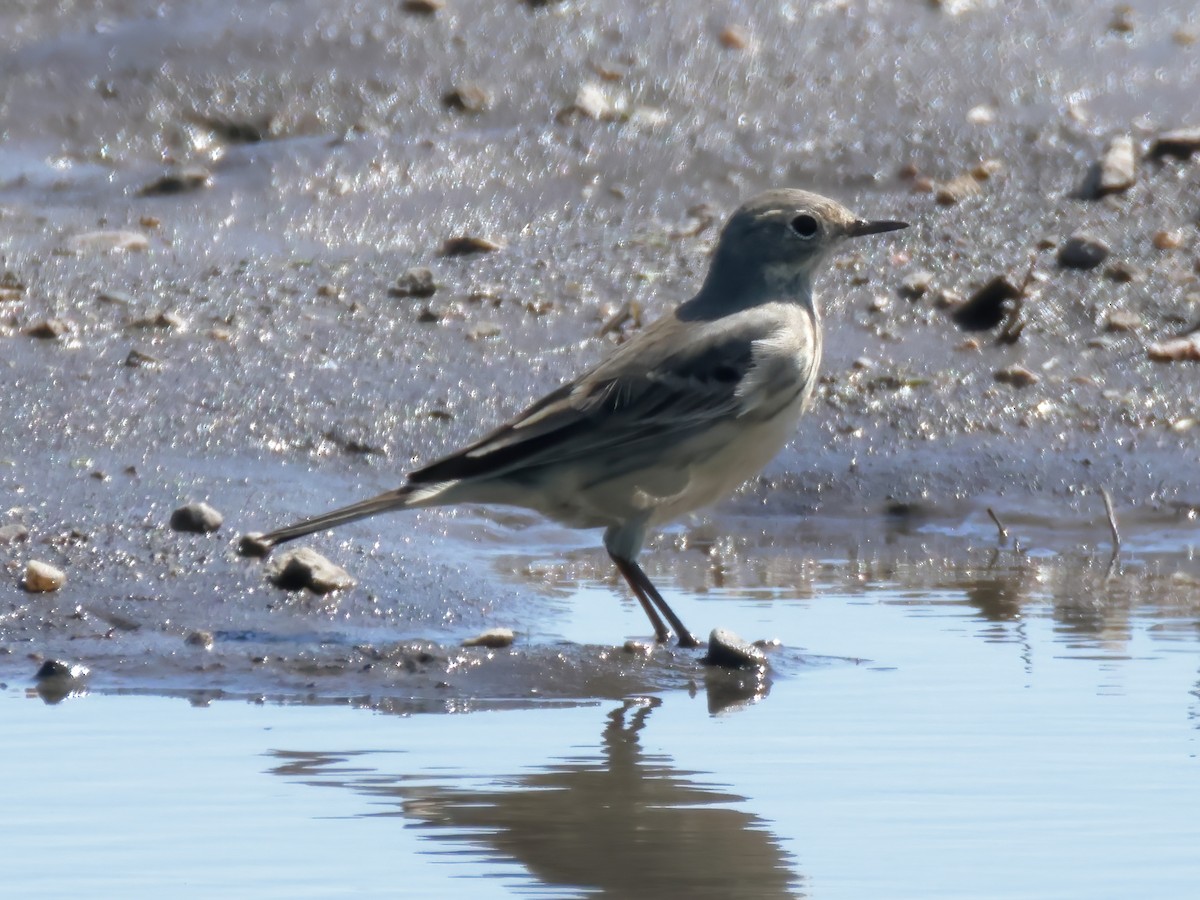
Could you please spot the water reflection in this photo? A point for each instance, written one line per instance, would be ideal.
(618, 820)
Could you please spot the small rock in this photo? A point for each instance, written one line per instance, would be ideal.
(467, 97)
(1122, 20)
(493, 639)
(11, 534)
(956, 190)
(637, 648)
(1180, 144)
(55, 668)
(1082, 251)
(1177, 349)
(735, 37)
(1017, 376)
(162, 319)
(199, 518)
(981, 115)
(483, 330)
(252, 544)
(467, 245)
(916, 285)
(178, 181)
(593, 101)
(107, 242)
(1122, 320)
(1167, 240)
(423, 7)
(988, 306)
(1115, 171)
(729, 651)
(136, 359)
(57, 680)
(118, 298)
(235, 131)
(431, 314)
(48, 329)
(416, 282)
(41, 577)
(306, 568)
(203, 639)
(1124, 273)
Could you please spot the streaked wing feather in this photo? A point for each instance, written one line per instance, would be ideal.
(617, 407)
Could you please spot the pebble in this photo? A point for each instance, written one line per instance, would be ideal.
(735, 37)
(467, 97)
(41, 577)
(1082, 251)
(10, 534)
(57, 680)
(1017, 376)
(1122, 320)
(916, 285)
(467, 245)
(483, 330)
(48, 329)
(988, 306)
(956, 190)
(56, 668)
(1116, 170)
(306, 568)
(179, 181)
(252, 545)
(199, 518)
(1124, 273)
(1177, 349)
(493, 639)
(1180, 144)
(162, 319)
(981, 115)
(727, 650)
(107, 242)
(203, 639)
(423, 7)
(136, 359)
(592, 101)
(1167, 240)
(416, 282)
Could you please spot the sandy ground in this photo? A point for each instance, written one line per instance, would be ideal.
(246, 348)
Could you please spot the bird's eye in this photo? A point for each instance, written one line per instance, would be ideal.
(806, 226)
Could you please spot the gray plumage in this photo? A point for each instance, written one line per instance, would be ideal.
(673, 420)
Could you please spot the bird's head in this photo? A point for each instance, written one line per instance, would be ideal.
(773, 243)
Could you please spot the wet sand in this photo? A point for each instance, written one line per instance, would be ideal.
(252, 354)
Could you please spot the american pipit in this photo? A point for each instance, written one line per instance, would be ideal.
(671, 421)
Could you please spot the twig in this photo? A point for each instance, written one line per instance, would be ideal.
(1112, 520)
(999, 525)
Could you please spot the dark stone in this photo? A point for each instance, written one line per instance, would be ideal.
(988, 306)
(1082, 251)
(199, 518)
(727, 650)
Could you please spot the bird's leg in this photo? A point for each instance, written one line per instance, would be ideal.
(627, 568)
(644, 588)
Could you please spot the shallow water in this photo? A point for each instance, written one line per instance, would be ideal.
(959, 739)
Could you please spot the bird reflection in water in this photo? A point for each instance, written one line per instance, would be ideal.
(621, 821)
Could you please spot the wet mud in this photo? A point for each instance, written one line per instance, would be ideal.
(209, 220)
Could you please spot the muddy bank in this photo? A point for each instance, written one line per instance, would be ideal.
(208, 218)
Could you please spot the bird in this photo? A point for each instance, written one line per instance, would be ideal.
(672, 420)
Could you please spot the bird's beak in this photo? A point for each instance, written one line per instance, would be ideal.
(862, 227)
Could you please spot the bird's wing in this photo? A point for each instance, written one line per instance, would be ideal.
(659, 388)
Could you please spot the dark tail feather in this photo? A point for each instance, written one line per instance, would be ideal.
(260, 545)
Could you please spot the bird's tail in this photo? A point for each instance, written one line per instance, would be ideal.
(400, 498)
